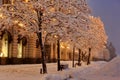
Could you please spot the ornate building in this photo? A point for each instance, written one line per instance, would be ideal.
(17, 49)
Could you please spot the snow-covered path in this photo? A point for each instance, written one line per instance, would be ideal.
(19, 72)
(32, 71)
(95, 71)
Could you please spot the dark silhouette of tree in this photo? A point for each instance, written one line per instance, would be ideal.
(112, 50)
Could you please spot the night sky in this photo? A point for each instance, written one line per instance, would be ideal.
(109, 11)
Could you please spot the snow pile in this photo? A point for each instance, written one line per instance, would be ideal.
(95, 71)
(111, 69)
(55, 77)
(75, 73)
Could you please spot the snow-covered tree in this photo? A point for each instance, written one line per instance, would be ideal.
(96, 29)
(112, 50)
(67, 19)
(17, 16)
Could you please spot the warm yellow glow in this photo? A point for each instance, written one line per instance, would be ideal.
(44, 32)
(26, 0)
(21, 24)
(54, 20)
(1, 54)
(76, 51)
(34, 21)
(68, 47)
(12, 1)
(52, 9)
(20, 50)
(55, 36)
(1, 15)
(5, 46)
(33, 11)
(69, 11)
(12, 9)
(52, 1)
(44, 14)
(16, 21)
(62, 46)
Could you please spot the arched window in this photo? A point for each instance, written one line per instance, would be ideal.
(22, 41)
(20, 49)
(6, 39)
(4, 52)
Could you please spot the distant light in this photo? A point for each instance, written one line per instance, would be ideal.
(1, 54)
(69, 11)
(26, 0)
(21, 24)
(54, 20)
(62, 46)
(16, 21)
(68, 47)
(52, 9)
(55, 36)
(1, 15)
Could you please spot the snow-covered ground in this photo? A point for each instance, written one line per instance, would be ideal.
(95, 71)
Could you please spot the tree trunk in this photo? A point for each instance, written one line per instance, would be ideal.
(73, 56)
(44, 68)
(58, 55)
(79, 58)
(39, 34)
(89, 55)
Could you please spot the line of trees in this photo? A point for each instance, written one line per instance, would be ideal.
(67, 20)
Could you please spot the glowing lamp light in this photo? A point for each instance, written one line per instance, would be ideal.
(54, 20)
(1, 54)
(68, 47)
(62, 46)
(52, 1)
(16, 21)
(69, 11)
(21, 24)
(52, 9)
(55, 36)
(1, 15)
(44, 32)
(26, 0)
(76, 51)
(44, 14)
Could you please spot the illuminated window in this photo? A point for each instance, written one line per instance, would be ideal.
(4, 52)
(20, 49)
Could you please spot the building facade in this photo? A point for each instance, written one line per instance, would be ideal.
(18, 49)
